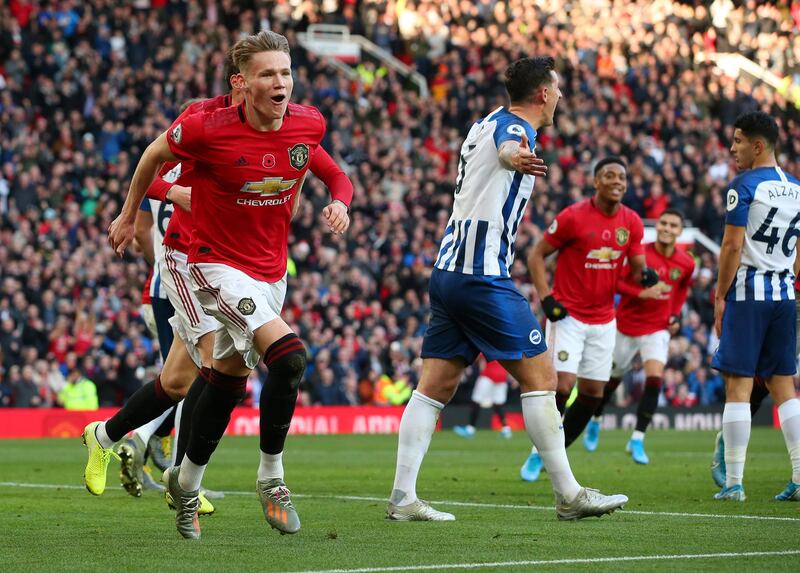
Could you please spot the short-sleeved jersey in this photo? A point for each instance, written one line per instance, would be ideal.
(766, 201)
(179, 231)
(161, 211)
(489, 200)
(244, 183)
(592, 248)
(638, 317)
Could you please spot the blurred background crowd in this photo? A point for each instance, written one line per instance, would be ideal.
(86, 85)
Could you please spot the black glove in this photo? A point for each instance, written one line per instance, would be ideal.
(553, 310)
(649, 277)
(673, 320)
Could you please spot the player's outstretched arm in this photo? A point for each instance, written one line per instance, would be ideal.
(121, 230)
(518, 156)
(730, 256)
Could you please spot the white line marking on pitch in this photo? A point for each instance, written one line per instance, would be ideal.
(447, 502)
(592, 560)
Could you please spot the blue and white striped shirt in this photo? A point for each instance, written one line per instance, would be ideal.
(489, 200)
(766, 201)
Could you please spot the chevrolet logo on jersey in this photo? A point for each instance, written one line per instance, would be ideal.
(604, 254)
(268, 186)
(602, 258)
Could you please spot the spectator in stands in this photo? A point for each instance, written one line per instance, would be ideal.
(79, 393)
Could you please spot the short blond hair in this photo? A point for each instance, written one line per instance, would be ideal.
(265, 41)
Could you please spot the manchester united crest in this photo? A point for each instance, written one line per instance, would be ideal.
(298, 156)
(674, 273)
(622, 235)
(246, 306)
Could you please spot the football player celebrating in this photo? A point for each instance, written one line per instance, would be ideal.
(646, 317)
(249, 162)
(593, 238)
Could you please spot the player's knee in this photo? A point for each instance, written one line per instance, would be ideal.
(175, 385)
(286, 360)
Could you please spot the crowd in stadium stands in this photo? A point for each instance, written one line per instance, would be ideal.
(85, 85)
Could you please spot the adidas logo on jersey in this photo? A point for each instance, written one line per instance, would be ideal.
(241, 161)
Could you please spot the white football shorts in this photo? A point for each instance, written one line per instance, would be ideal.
(487, 392)
(190, 323)
(653, 346)
(582, 349)
(240, 303)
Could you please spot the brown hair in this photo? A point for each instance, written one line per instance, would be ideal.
(265, 41)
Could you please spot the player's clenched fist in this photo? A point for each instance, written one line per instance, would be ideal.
(120, 234)
(336, 217)
(553, 310)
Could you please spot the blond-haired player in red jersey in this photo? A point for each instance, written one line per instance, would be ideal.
(593, 238)
(250, 161)
(646, 318)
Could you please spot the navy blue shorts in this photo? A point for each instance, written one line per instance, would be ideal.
(479, 314)
(758, 339)
(163, 311)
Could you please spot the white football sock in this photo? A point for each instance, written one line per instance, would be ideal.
(416, 428)
(543, 424)
(271, 466)
(191, 474)
(102, 436)
(146, 431)
(178, 414)
(637, 435)
(736, 432)
(789, 415)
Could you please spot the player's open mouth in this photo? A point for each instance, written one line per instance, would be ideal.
(278, 98)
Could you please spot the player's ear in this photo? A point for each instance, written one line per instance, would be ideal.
(238, 81)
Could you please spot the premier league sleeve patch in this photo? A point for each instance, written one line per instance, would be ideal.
(246, 306)
(298, 156)
(177, 133)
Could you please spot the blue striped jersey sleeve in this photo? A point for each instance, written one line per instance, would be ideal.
(510, 128)
(737, 202)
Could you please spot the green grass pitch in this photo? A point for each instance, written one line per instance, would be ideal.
(341, 483)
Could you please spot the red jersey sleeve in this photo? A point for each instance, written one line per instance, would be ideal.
(339, 185)
(679, 295)
(187, 137)
(560, 231)
(637, 234)
(159, 187)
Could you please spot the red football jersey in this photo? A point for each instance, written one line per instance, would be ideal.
(636, 316)
(495, 372)
(244, 184)
(179, 229)
(592, 248)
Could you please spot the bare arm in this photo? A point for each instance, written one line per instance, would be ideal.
(730, 256)
(637, 263)
(536, 266)
(121, 231)
(143, 233)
